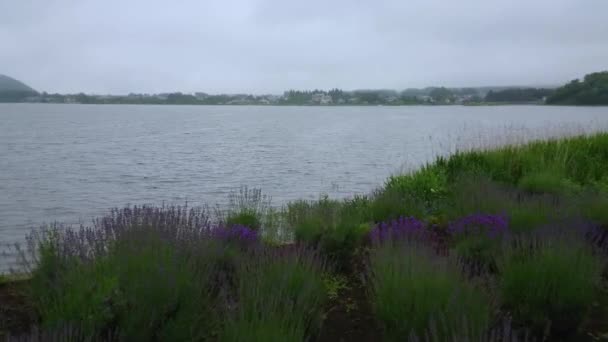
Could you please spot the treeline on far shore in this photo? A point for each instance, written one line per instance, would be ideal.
(591, 90)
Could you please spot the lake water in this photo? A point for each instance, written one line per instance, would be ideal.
(70, 163)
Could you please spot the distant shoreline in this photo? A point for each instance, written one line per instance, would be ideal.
(485, 104)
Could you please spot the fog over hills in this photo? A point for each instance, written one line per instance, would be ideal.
(11, 84)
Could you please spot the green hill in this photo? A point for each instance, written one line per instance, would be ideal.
(12, 90)
(592, 90)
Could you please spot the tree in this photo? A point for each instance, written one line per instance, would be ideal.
(442, 95)
(518, 95)
(593, 90)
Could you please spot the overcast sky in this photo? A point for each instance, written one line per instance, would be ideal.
(267, 46)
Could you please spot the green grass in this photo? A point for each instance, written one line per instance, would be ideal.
(579, 159)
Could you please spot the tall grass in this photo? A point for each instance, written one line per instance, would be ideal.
(579, 159)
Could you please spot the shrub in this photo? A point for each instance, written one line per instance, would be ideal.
(595, 208)
(339, 243)
(549, 182)
(397, 230)
(245, 218)
(280, 295)
(164, 289)
(428, 185)
(525, 218)
(236, 234)
(414, 291)
(476, 239)
(550, 278)
(479, 224)
(80, 295)
(332, 227)
(247, 208)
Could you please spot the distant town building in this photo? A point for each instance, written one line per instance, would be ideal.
(201, 96)
(322, 99)
(424, 98)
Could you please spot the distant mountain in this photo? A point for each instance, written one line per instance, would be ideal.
(11, 84)
(12, 90)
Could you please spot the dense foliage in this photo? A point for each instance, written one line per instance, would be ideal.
(592, 90)
(518, 95)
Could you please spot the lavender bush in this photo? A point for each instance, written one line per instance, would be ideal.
(412, 288)
(549, 278)
(399, 229)
(238, 234)
(140, 272)
(491, 226)
(475, 240)
(280, 295)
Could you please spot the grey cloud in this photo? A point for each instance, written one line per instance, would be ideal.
(260, 46)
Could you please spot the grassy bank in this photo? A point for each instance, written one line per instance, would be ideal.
(498, 245)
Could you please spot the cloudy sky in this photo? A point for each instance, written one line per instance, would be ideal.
(267, 46)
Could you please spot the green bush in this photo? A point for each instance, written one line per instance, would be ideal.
(427, 185)
(280, 297)
(336, 228)
(415, 291)
(477, 252)
(162, 290)
(389, 204)
(245, 217)
(339, 243)
(525, 218)
(549, 279)
(336, 241)
(595, 208)
(79, 295)
(248, 207)
(549, 182)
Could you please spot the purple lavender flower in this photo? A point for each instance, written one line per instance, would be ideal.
(491, 225)
(399, 229)
(235, 233)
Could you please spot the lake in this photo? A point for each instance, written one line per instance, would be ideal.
(69, 163)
